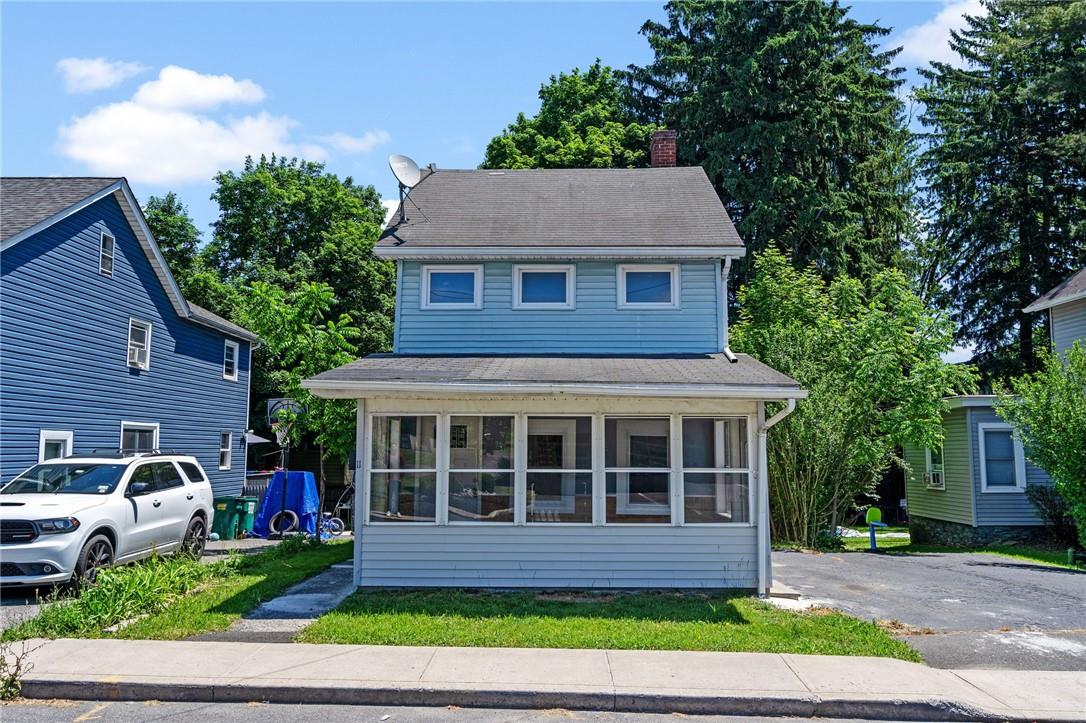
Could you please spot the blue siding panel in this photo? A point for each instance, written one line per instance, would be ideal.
(63, 352)
(1000, 508)
(595, 326)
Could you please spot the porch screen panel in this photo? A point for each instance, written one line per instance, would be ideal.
(716, 470)
(559, 478)
(637, 461)
(403, 464)
(481, 469)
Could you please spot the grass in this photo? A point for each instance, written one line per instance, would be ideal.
(256, 579)
(175, 597)
(633, 621)
(1030, 553)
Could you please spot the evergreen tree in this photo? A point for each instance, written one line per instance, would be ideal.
(794, 114)
(581, 124)
(1005, 169)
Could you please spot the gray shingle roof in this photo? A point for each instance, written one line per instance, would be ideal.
(25, 202)
(685, 370)
(1070, 289)
(207, 318)
(584, 207)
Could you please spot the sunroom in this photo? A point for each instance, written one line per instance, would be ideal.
(486, 477)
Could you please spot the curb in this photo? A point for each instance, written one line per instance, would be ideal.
(799, 706)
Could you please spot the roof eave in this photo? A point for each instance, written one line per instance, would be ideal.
(403, 253)
(344, 389)
(1042, 304)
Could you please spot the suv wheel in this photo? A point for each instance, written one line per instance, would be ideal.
(195, 537)
(96, 555)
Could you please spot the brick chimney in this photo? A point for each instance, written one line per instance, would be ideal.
(663, 149)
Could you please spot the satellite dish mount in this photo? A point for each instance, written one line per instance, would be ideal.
(407, 175)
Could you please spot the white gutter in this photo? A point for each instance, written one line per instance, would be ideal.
(765, 577)
(567, 252)
(340, 389)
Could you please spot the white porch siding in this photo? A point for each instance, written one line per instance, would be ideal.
(552, 556)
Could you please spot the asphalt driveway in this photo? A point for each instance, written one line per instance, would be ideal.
(959, 610)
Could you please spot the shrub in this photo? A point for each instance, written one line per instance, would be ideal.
(1055, 513)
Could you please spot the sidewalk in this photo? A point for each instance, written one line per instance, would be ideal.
(622, 680)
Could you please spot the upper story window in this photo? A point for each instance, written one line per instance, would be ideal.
(139, 344)
(230, 360)
(452, 287)
(933, 473)
(106, 248)
(648, 286)
(1002, 460)
(544, 287)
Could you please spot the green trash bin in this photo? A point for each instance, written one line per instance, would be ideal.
(246, 511)
(226, 518)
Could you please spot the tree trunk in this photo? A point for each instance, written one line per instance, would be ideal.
(320, 494)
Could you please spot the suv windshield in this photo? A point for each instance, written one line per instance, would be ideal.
(72, 479)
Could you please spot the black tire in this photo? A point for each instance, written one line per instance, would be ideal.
(97, 554)
(195, 537)
(334, 526)
(276, 521)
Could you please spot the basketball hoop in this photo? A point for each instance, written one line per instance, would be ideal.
(282, 432)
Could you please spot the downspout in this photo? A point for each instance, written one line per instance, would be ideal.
(725, 271)
(765, 580)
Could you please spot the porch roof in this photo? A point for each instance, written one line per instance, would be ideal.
(677, 375)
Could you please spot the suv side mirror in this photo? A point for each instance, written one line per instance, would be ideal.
(138, 488)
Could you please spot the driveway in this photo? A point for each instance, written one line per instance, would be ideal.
(959, 610)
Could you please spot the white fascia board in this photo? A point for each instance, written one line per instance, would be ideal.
(351, 389)
(562, 252)
(971, 400)
(56, 218)
(1058, 301)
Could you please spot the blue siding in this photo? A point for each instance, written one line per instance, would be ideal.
(63, 352)
(1000, 508)
(1068, 325)
(596, 326)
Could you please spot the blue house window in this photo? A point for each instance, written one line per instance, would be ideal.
(452, 287)
(648, 286)
(1002, 460)
(230, 360)
(106, 249)
(544, 287)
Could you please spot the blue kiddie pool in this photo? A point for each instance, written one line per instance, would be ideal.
(302, 500)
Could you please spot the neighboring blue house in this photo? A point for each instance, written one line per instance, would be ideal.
(98, 349)
(1066, 307)
(561, 408)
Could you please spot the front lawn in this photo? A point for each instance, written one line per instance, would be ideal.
(1030, 553)
(632, 621)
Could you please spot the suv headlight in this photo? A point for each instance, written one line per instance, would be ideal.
(57, 525)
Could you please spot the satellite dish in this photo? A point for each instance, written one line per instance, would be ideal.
(405, 170)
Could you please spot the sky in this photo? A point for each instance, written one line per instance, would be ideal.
(167, 94)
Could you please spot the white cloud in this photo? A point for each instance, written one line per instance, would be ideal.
(358, 144)
(959, 354)
(180, 88)
(82, 75)
(930, 41)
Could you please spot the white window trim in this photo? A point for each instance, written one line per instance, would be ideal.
(54, 435)
(1019, 460)
(228, 344)
(147, 365)
(102, 255)
(229, 449)
(929, 471)
(476, 269)
(569, 270)
(138, 426)
(748, 470)
(676, 286)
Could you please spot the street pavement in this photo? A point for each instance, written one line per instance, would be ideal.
(959, 610)
(58, 711)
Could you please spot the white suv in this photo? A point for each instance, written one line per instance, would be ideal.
(64, 519)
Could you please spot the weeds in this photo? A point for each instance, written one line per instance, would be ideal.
(13, 667)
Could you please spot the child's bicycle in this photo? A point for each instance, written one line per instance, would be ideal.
(331, 525)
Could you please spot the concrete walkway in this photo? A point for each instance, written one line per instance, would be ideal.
(621, 680)
(278, 620)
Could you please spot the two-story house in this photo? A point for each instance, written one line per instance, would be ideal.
(98, 348)
(1066, 307)
(561, 408)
